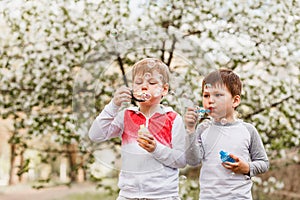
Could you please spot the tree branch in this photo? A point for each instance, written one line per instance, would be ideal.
(57, 151)
(171, 52)
(163, 51)
(123, 71)
(192, 33)
(263, 109)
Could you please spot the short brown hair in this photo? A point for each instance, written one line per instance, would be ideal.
(224, 77)
(149, 65)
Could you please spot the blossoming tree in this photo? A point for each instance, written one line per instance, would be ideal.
(60, 64)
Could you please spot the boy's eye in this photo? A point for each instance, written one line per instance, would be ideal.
(205, 95)
(138, 82)
(218, 95)
(152, 82)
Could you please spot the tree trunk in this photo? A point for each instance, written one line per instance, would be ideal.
(13, 177)
(72, 155)
(81, 172)
(22, 176)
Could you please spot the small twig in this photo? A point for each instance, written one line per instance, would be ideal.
(263, 109)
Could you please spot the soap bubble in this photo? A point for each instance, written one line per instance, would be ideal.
(182, 179)
(165, 103)
(185, 101)
(141, 95)
(169, 8)
(147, 76)
(145, 35)
(127, 45)
(114, 33)
(223, 121)
(143, 4)
(208, 85)
(171, 92)
(125, 104)
(185, 95)
(206, 123)
(151, 63)
(198, 141)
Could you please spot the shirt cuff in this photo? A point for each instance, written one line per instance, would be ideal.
(190, 132)
(251, 170)
(157, 151)
(191, 138)
(113, 107)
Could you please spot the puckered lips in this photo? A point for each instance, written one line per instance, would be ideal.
(211, 109)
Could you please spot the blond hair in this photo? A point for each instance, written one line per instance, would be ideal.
(149, 65)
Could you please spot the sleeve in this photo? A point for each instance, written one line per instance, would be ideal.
(173, 157)
(194, 147)
(108, 124)
(259, 160)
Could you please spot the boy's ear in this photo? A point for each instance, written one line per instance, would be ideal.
(236, 101)
(165, 89)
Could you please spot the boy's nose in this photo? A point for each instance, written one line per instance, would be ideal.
(211, 99)
(145, 86)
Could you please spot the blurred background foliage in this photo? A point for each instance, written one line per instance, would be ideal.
(60, 63)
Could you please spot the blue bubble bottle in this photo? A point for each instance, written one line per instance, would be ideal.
(225, 157)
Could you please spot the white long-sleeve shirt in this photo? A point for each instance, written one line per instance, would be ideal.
(144, 174)
(240, 139)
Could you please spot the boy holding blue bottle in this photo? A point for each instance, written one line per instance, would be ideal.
(230, 179)
(152, 148)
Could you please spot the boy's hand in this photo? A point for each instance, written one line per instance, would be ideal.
(147, 142)
(123, 94)
(239, 167)
(190, 120)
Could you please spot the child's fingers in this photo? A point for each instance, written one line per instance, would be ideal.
(190, 109)
(147, 139)
(142, 141)
(122, 94)
(122, 90)
(190, 118)
(239, 167)
(234, 157)
(191, 113)
(148, 136)
(231, 166)
(146, 143)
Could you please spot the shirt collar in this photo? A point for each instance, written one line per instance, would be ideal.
(163, 110)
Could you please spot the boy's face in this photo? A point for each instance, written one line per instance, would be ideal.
(219, 101)
(150, 83)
